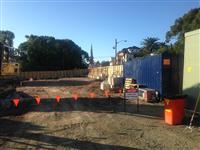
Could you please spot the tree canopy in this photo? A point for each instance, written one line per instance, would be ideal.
(47, 53)
(105, 63)
(7, 37)
(152, 45)
(188, 22)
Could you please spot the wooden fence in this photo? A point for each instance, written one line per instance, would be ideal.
(54, 74)
(97, 72)
(101, 72)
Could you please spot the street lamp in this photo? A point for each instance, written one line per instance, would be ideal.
(115, 47)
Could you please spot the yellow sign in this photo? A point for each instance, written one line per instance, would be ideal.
(189, 69)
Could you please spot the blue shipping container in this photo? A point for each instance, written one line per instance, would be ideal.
(146, 71)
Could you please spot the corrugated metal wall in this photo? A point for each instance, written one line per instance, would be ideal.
(146, 70)
(161, 72)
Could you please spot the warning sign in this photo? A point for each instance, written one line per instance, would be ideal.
(131, 94)
(166, 61)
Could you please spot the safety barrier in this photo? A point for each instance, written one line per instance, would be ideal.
(75, 96)
(106, 101)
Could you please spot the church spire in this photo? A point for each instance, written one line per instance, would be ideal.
(91, 56)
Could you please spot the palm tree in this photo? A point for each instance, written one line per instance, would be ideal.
(151, 44)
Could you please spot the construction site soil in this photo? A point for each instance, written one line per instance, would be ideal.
(96, 122)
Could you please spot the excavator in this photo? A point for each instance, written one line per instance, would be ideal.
(9, 71)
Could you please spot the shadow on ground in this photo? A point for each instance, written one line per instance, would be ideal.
(8, 133)
(97, 105)
(14, 131)
(64, 82)
(9, 125)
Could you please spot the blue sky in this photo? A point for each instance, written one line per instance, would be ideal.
(94, 22)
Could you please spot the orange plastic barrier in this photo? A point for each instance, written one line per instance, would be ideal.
(107, 93)
(58, 99)
(16, 102)
(174, 111)
(75, 96)
(92, 95)
(37, 99)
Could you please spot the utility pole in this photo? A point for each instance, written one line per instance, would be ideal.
(63, 60)
(115, 47)
(115, 51)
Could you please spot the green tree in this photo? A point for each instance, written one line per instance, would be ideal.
(48, 53)
(163, 47)
(105, 63)
(150, 44)
(188, 22)
(7, 37)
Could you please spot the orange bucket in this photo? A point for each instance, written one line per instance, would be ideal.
(174, 111)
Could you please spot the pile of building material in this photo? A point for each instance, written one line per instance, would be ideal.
(105, 85)
(148, 95)
(112, 83)
(116, 82)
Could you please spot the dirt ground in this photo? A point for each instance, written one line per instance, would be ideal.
(88, 123)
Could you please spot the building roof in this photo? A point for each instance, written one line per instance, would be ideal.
(133, 49)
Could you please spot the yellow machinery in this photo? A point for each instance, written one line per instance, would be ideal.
(7, 66)
(8, 71)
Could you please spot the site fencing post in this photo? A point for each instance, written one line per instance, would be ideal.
(137, 104)
(124, 100)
